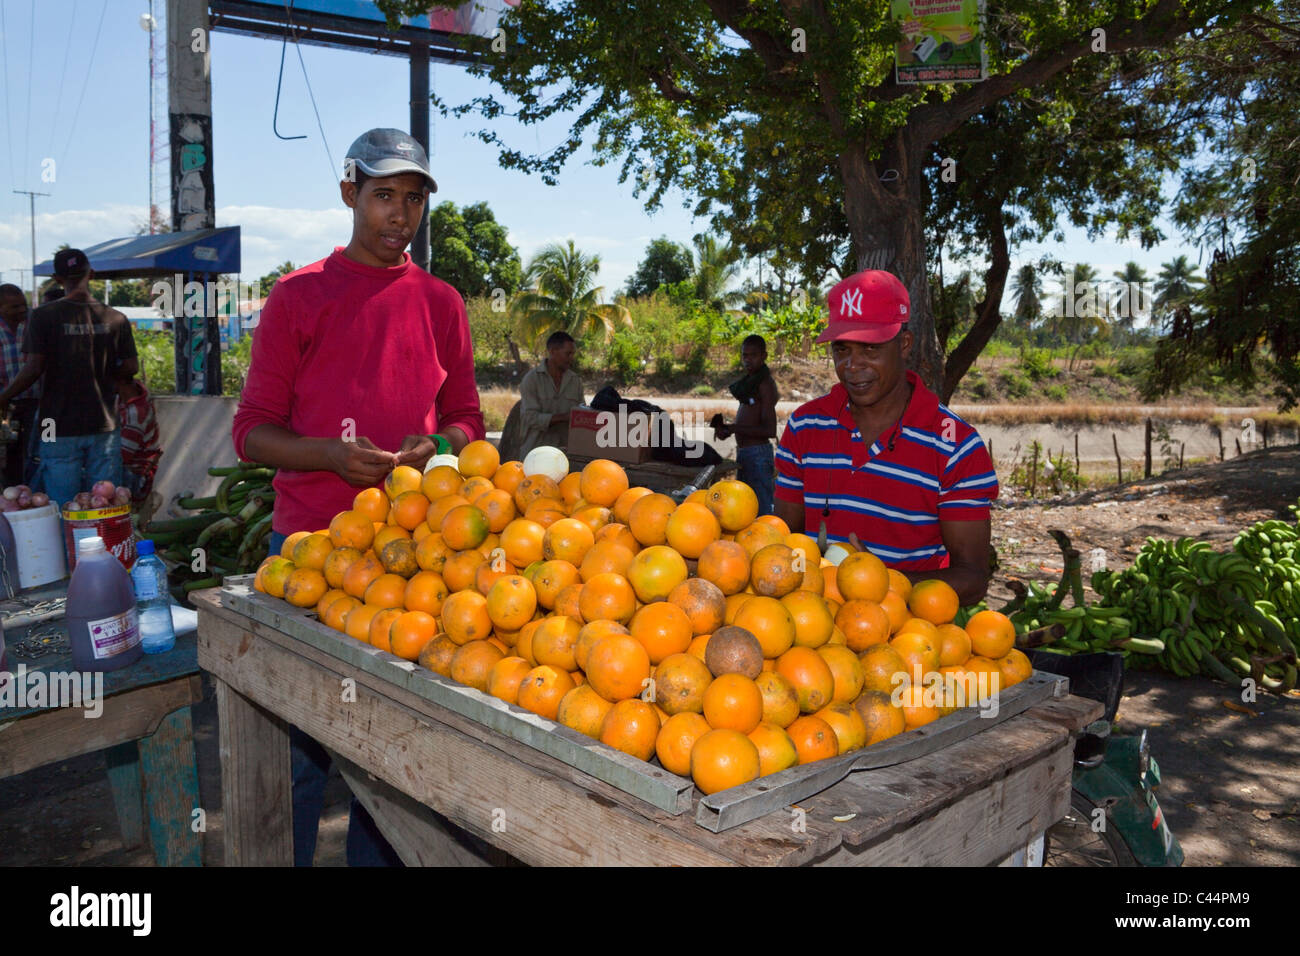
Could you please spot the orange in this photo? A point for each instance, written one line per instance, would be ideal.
(814, 579)
(618, 534)
(478, 458)
(801, 542)
(371, 502)
(703, 603)
(511, 602)
(647, 519)
(862, 576)
(631, 726)
(814, 739)
(772, 571)
(698, 645)
(305, 587)
(813, 621)
(534, 488)
(602, 482)
(312, 551)
(725, 564)
(882, 718)
(700, 496)
(733, 503)
(607, 597)
(983, 679)
(954, 646)
(410, 509)
(441, 481)
(921, 626)
(425, 591)
(387, 590)
(880, 665)
(898, 581)
(919, 706)
(554, 640)
(662, 628)
(1015, 667)
(437, 655)
(545, 512)
(605, 557)
(461, 569)
(846, 670)
(655, 571)
(508, 476)
(780, 699)
(551, 578)
(777, 523)
(543, 688)
(583, 710)
(498, 506)
(524, 641)
(410, 632)
(568, 603)
(567, 540)
(757, 536)
(733, 702)
(336, 615)
(623, 503)
(690, 529)
(734, 604)
(571, 489)
(400, 479)
(521, 540)
(351, 529)
(920, 653)
(934, 601)
(474, 488)
(618, 667)
(850, 729)
(463, 527)
(776, 751)
(398, 557)
(465, 617)
(360, 573)
(432, 552)
(769, 621)
(814, 684)
(386, 534)
(722, 759)
(439, 509)
(896, 610)
(473, 662)
(680, 682)
(291, 542)
(506, 676)
(831, 588)
(357, 623)
(592, 632)
(337, 564)
(991, 634)
(328, 598)
(677, 738)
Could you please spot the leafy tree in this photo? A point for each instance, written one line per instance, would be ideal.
(665, 262)
(1027, 287)
(1176, 286)
(562, 295)
(469, 249)
(784, 118)
(267, 282)
(1131, 299)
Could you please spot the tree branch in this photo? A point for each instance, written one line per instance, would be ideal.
(990, 309)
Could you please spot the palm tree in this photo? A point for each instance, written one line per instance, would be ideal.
(1027, 287)
(717, 265)
(1175, 286)
(1081, 314)
(561, 294)
(1131, 300)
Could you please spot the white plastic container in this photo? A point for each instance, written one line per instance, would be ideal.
(38, 536)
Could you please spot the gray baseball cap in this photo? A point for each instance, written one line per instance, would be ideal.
(389, 152)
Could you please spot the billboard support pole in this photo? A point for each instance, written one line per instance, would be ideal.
(420, 130)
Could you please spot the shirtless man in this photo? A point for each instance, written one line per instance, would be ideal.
(755, 424)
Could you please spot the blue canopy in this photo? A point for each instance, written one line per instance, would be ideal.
(214, 251)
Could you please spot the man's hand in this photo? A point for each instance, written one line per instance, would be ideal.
(360, 463)
(416, 451)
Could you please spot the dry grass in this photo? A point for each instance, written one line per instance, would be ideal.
(1118, 414)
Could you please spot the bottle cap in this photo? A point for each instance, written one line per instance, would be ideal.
(92, 545)
(143, 547)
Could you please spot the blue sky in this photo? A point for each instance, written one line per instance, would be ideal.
(94, 124)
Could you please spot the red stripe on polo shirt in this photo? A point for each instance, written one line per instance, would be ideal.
(932, 466)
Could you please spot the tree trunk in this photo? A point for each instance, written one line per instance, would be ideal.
(885, 222)
(989, 315)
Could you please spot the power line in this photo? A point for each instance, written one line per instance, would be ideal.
(4, 50)
(86, 82)
(288, 9)
(58, 103)
(31, 69)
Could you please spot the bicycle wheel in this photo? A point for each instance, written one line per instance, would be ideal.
(1073, 841)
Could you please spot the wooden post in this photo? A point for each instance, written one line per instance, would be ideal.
(1033, 470)
(1146, 460)
(1182, 446)
(1221, 451)
(1119, 464)
(991, 451)
(1076, 461)
(1238, 441)
(1266, 435)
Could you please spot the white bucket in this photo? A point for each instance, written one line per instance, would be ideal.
(38, 538)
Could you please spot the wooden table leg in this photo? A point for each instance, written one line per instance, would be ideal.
(124, 779)
(256, 783)
(171, 790)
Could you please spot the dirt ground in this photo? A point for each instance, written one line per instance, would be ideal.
(1231, 787)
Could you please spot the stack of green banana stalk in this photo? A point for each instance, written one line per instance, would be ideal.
(226, 535)
(1216, 614)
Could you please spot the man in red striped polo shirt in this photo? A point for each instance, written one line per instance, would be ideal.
(881, 457)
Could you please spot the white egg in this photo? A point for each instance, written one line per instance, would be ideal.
(546, 460)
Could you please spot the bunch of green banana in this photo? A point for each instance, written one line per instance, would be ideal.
(1087, 627)
(1213, 614)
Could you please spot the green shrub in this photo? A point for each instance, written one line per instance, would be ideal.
(157, 361)
(234, 366)
(703, 389)
(1057, 393)
(488, 329)
(1037, 364)
(977, 384)
(1015, 384)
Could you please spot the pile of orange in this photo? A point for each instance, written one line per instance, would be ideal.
(702, 634)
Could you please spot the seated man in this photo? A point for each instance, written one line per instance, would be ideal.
(547, 394)
(881, 457)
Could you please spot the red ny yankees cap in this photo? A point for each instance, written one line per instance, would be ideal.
(868, 307)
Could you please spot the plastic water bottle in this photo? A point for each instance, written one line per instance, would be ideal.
(152, 600)
(103, 625)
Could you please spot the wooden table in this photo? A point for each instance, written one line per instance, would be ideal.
(144, 728)
(416, 765)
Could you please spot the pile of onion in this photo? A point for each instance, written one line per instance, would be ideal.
(104, 494)
(21, 497)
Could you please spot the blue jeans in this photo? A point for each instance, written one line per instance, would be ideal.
(310, 768)
(756, 467)
(73, 463)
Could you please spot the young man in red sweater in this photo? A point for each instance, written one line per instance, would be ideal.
(361, 362)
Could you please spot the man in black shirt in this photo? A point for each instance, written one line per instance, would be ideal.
(81, 349)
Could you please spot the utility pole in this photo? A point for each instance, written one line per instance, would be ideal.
(32, 200)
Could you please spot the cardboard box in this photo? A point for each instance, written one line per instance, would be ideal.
(594, 434)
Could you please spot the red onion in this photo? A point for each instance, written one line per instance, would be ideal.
(40, 499)
(104, 489)
(83, 499)
(72, 506)
(11, 493)
(97, 502)
(24, 500)
(22, 488)
(8, 504)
